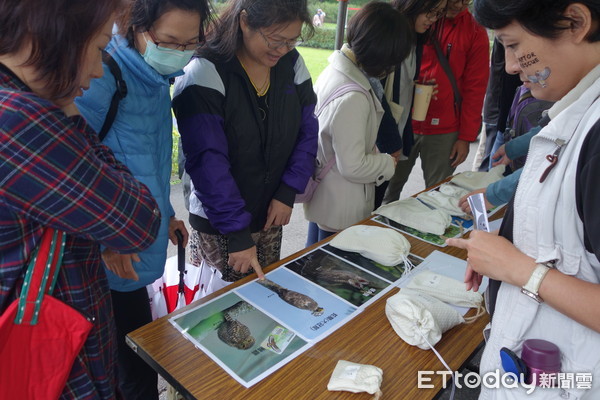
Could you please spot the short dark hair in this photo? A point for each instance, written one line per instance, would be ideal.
(380, 37)
(142, 14)
(543, 18)
(226, 37)
(59, 32)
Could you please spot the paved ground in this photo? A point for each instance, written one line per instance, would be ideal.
(294, 238)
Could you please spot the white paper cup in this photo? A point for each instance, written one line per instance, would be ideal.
(421, 101)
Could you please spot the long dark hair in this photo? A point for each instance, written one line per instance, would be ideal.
(59, 32)
(143, 13)
(543, 18)
(226, 37)
(380, 37)
(413, 8)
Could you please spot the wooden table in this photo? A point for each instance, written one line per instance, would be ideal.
(367, 339)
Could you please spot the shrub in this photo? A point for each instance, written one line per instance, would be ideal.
(330, 8)
(323, 38)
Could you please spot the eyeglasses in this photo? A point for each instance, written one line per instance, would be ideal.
(434, 15)
(275, 45)
(173, 46)
(463, 2)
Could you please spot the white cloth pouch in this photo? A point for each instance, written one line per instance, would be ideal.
(441, 201)
(383, 245)
(414, 214)
(420, 319)
(445, 289)
(355, 378)
(474, 180)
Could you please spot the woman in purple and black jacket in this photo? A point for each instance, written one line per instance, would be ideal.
(245, 111)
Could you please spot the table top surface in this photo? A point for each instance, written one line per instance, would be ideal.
(368, 338)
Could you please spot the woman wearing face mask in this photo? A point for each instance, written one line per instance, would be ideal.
(378, 39)
(245, 113)
(399, 89)
(55, 174)
(545, 264)
(155, 40)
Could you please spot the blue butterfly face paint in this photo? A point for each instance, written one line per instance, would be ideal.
(529, 60)
(540, 77)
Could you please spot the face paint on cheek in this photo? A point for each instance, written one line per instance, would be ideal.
(528, 60)
(540, 77)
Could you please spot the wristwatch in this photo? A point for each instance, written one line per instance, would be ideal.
(532, 286)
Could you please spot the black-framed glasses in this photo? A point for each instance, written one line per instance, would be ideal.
(277, 44)
(173, 46)
(434, 15)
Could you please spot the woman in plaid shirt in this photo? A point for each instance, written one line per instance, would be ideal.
(54, 173)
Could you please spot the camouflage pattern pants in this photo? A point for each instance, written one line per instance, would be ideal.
(213, 250)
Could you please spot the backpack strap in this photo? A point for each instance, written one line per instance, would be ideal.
(119, 94)
(338, 92)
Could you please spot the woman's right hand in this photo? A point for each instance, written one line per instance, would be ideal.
(121, 264)
(435, 85)
(242, 261)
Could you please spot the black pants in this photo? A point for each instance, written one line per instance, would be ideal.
(137, 380)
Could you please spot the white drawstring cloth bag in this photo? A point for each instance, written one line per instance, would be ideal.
(420, 319)
(356, 378)
(474, 180)
(451, 190)
(414, 214)
(447, 290)
(441, 201)
(383, 245)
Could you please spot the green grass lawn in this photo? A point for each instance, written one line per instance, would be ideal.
(315, 59)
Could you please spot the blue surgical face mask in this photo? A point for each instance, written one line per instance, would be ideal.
(166, 61)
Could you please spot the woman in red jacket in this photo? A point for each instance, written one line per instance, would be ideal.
(453, 119)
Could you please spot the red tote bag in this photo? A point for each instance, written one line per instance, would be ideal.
(40, 336)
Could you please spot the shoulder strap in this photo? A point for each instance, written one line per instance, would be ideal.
(41, 276)
(338, 92)
(446, 66)
(119, 94)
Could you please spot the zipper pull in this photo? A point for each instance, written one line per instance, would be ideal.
(552, 158)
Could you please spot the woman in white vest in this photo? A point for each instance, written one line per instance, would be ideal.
(544, 265)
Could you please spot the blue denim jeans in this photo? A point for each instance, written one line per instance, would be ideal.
(316, 234)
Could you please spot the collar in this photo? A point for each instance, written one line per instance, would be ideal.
(341, 62)
(575, 93)
(9, 79)
(347, 51)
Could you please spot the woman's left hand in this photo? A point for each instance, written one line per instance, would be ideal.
(494, 256)
(177, 224)
(278, 214)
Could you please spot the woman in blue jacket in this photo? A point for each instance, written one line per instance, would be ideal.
(154, 42)
(245, 111)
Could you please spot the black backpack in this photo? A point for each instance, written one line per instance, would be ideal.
(119, 94)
